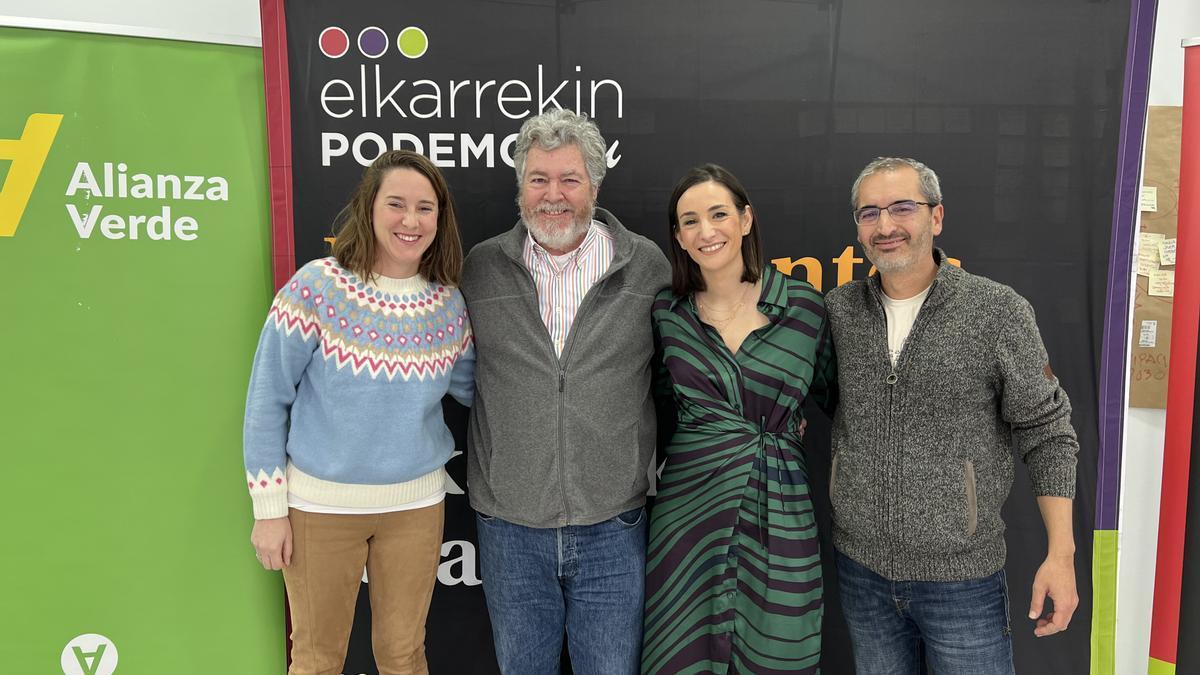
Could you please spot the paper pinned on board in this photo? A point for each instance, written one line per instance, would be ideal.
(1149, 201)
(1148, 243)
(1148, 337)
(1148, 252)
(1145, 267)
(1166, 251)
(1162, 283)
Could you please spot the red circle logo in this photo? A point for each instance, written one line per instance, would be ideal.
(334, 42)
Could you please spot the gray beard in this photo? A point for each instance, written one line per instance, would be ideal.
(558, 239)
(892, 265)
(888, 265)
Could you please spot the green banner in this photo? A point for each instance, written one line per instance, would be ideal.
(134, 278)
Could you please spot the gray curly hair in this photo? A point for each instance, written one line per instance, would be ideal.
(558, 127)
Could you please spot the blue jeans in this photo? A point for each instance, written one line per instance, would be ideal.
(586, 579)
(961, 626)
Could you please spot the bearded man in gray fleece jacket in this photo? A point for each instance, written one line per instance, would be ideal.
(563, 427)
(942, 374)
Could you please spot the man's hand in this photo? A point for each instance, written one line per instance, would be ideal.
(1056, 576)
(1056, 579)
(272, 539)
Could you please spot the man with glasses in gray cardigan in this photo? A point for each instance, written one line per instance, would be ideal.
(942, 374)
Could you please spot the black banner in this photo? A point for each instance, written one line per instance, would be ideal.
(1189, 595)
(1016, 106)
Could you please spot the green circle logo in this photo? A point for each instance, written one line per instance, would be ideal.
(412, 42)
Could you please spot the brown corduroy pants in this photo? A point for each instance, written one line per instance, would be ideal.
(401, 551)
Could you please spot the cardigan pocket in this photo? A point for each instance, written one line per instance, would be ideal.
(852, 496)
(932, 512)
(833, 477)
(972, 498)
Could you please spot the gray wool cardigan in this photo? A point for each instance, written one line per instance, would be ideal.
(922, 452)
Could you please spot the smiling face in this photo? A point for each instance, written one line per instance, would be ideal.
(557, 198)
(897, 246)
(404, 217)
(710, 228)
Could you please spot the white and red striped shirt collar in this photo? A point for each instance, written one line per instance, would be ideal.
(563, 281)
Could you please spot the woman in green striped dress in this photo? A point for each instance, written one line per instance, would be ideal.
(733, 567)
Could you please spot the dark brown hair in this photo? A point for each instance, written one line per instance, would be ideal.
(685, 274)
(355, 246)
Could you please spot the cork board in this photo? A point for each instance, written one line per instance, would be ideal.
(1150, 351)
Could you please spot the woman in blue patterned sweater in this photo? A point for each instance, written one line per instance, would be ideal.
(345, 444)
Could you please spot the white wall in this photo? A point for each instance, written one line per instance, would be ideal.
(1138, 539)
(1177, 21)
(221, 21)
(1141, 466)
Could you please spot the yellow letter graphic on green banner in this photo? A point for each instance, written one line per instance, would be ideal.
(28, 154)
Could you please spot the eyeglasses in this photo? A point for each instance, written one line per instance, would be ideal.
(899, 211)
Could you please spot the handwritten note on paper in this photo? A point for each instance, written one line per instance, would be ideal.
(1162, 283)
(1166, 251)
(1149, 199)
(1145, 267)
(1148, 252)
(1148, 337)
(1148, 244)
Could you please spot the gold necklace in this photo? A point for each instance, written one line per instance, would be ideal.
(721, 322)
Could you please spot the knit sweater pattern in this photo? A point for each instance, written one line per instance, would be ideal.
(923, 451)
(344, 403)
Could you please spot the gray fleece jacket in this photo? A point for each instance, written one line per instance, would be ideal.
(922, 452)
(561, 441)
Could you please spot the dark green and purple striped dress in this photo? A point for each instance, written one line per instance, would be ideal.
(733, 567)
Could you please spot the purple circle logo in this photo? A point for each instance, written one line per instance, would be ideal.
(372, 42)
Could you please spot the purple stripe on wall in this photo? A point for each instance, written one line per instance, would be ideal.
(1114, 357)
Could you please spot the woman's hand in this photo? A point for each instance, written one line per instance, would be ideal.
(272, 539)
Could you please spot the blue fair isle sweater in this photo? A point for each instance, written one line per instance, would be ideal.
(344, 406)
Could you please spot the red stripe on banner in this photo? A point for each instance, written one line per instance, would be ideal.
(279, 163)
(279, 138)
(1181, 381)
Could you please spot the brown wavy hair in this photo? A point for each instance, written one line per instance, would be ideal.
(355, 245)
